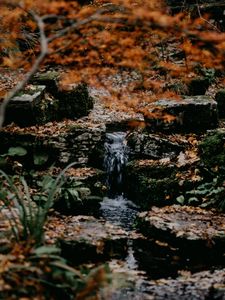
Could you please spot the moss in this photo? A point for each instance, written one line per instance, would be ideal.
(212, 150)
(147, 192)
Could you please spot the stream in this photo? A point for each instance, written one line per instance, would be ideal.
(116, 208)
(146, 260)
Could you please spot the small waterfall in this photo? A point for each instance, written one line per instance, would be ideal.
(116, 208)
(116, 156)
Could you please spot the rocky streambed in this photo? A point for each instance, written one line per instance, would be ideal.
(144, 201)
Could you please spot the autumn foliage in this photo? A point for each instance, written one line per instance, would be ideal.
(92, 41)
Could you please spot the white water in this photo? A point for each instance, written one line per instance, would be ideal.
(116, 208)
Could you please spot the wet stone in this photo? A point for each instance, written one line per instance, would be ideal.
(195, 232)
(191, 114)
(84, 238)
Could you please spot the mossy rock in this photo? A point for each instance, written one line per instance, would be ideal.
(143, 145)
(75, 102)
(198, 86)
(150, 183)
(212, 151)
(50, 79)
(29, 107)
(150, 168)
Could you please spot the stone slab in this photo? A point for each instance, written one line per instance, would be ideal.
(84, 238)
(23, 109)
(190, 114)
(194, 231)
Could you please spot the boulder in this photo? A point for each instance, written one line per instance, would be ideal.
(50, 79)
(198, 86)
(74, 102)
(149, 182)
(190, 114)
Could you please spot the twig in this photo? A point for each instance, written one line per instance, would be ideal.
(205, 20)
(106, 9)
(44, 50)
(29, 74)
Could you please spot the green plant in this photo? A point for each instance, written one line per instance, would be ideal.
(41, 273)
(208, 194)
(26, 217)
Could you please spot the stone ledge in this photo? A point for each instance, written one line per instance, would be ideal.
(190, 114)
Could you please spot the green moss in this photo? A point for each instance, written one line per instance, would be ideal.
(213, 151)
(52, 75)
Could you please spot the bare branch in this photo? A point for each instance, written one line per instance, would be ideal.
(106, 9)
(29, 74)
(44, 50)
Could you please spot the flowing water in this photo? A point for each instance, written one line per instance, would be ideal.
(116, 208)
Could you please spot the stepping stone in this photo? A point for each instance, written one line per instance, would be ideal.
(195, 232)
(84, 238)
(190, 114)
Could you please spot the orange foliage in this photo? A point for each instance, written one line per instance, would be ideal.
(131, 35)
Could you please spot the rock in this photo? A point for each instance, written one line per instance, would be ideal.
(50, 79)
(196, 233)
(191, 114)
(212, 151)
(26, 108)
(67, 143)
(149, 182)
(198, 86)
(84, 239)
(220, 99)
(199, 286)
(74, 100)
(151, 146)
